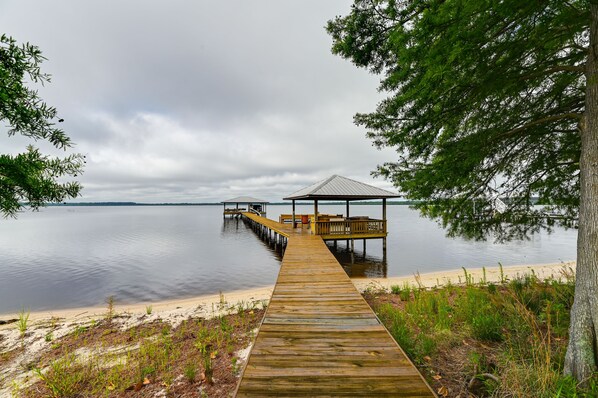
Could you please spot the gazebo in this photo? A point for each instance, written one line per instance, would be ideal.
(254, 205)
(339, 227)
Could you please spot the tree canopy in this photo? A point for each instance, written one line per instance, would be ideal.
(485, 101)
(31, 178)
(491, 100)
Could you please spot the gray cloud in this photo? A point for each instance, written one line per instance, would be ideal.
(200, 101)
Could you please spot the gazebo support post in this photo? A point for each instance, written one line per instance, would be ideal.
(385, 227)
(294, 223)
(315, 216)
(348, 220)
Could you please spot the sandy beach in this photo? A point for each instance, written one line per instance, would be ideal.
(63, 322)
(205, 305)
(457, 276)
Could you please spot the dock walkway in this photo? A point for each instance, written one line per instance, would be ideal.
(319, 337)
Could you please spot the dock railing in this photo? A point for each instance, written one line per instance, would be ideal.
(234, 211)
(351, 227)
(286, 218)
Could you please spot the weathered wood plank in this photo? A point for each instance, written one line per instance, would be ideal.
(319, 338)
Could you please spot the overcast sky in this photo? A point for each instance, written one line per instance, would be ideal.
(199, 101)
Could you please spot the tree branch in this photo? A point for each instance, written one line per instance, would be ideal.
(547, 119)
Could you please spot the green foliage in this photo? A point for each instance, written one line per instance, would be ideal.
(64, 377)
(23, 321)
(31, 177)
(525, 321)
(190, 372)
(485, 101)
(110, 300)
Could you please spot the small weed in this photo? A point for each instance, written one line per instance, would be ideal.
(395, 289)
(492, 288)
(79, 330)
(487, 326)
(405, 293)
(207, 355)
(468, 277)
(148, 309)
(49, 337)
(235, 366)
(110, 309)
(63, 378)
(23, 320)
(190, 372)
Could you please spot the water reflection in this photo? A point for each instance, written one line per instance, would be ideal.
(232, 226)
(237, 228)
(361, 264)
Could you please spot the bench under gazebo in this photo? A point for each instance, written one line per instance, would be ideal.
(341, 227)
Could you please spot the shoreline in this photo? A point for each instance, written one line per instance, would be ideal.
(204, 303)
(457, 276)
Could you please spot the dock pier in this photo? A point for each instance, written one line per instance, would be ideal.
(319, 337)
(274, 235)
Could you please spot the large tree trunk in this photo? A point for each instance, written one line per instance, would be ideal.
(582, 353)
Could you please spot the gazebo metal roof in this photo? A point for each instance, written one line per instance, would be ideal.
(244, 199)
(337, 187)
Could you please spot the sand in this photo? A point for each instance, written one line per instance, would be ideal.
(457, 276)
(205, 305)
(178, 306)
(63, 322)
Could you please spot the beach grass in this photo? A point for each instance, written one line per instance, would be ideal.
(505, 339)
(23, 321)
(104, 358)
(486, 337)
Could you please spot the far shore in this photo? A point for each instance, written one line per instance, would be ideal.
(206, 304)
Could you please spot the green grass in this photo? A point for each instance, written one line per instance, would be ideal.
(155, 356)
(23, 321)
(515, 330)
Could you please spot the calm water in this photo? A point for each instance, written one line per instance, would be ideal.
(77, 256)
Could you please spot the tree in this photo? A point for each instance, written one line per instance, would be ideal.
(31, 177)
(491, 100)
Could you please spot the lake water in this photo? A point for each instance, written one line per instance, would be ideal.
(65, 257)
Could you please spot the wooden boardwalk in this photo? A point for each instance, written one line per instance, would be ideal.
(319, 337)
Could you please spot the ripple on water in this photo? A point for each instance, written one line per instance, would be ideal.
(75, 256)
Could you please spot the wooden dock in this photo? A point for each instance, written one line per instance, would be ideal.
(319, 337)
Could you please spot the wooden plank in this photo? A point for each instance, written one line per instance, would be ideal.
(319, 337)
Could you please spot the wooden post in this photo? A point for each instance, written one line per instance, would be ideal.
(293, 220)
(384, 209)
(385, 227)
(347, 218)
(364, 247)
(315, 220)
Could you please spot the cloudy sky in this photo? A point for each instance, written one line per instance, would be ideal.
(199, 101)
